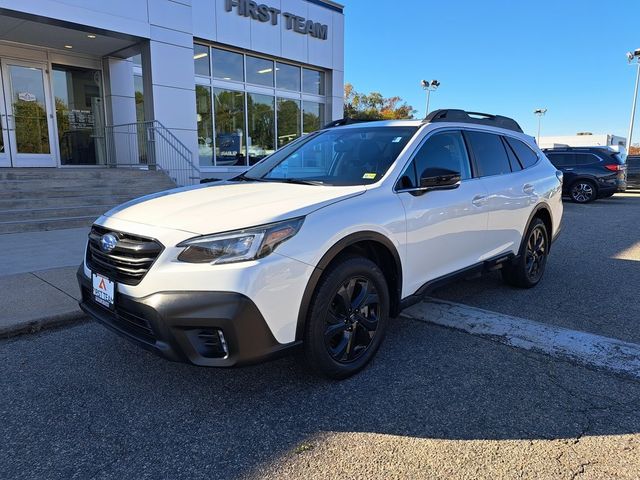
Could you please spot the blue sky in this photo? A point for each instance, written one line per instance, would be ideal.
(501, 56)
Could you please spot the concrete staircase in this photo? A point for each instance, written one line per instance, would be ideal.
(36, 199)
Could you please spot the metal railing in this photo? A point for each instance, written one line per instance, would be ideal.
(152, 146)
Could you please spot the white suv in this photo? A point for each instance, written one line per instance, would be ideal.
(323, 241)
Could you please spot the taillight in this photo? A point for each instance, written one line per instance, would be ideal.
(614, 168)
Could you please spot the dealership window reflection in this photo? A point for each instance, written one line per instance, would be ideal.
(312, 117)
(205, 125)
(228, 65)
(262, 124)
(230, 134)
(259, 71)
(79, 115)
(289, 121)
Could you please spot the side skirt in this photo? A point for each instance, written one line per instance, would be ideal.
(495, 263)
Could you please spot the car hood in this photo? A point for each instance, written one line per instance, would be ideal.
(220, 207)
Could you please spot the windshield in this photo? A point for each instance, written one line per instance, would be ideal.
(350, 156)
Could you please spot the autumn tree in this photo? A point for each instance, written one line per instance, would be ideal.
(374, 106)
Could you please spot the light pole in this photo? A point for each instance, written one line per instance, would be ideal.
(540, 113)
(429, 87)
(631, 56)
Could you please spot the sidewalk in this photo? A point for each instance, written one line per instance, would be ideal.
(37, 279)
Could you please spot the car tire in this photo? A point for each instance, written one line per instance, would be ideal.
(347, 319)
(583, 191)
(527, 269)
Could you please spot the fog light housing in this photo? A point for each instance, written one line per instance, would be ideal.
(209, 342)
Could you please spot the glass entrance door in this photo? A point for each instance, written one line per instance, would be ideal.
(27, 123)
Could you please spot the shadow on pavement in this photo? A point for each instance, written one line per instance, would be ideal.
(83, 402)
(592, 277)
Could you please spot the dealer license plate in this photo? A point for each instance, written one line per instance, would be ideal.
(103, 290)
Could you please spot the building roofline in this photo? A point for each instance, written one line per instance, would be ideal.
(330, 4)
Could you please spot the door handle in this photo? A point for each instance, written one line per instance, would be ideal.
(479, 200)
(528, 188)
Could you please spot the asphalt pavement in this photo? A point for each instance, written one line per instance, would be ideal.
(83, 403)
(592, 280)
(80, 402)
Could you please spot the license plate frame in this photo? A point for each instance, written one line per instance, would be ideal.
(104, 290)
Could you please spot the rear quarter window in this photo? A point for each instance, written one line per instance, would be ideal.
(528, 158)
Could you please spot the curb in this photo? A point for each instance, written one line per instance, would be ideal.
(43, 323)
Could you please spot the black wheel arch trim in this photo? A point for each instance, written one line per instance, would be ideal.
(330, 255)
(534, 214)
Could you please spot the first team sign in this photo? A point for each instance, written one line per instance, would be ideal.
(265, 13)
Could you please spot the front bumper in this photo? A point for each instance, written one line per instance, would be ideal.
(185, 326)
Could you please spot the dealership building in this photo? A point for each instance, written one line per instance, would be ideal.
(197, 88)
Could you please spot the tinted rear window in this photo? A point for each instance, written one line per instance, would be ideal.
(562, 159)
(586, 159)
(527, 157)
(490, 153)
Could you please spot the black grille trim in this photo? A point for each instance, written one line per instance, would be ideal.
(129, 262)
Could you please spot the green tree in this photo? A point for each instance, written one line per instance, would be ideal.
(374, 106)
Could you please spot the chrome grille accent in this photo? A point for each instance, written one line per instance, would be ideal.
(128, 262)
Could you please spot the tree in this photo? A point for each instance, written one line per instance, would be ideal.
(635, 149)
(374, 106)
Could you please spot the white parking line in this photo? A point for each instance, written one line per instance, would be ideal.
(581, 347)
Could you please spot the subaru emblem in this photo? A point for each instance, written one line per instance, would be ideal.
(108, 242)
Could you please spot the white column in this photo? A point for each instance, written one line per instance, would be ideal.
(168, 71)
(121, 142)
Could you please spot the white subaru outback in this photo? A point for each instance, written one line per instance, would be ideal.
(322, 242)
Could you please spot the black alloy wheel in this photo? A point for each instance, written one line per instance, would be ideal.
(536, 254)
(528, 267)
(583, 191)
(347, 317)
(352, 319)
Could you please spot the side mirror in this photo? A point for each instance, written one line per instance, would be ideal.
(439, 179)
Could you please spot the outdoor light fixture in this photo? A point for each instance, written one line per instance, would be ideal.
(540, 112)
(429, 86)
(631, 56)
(91, 35)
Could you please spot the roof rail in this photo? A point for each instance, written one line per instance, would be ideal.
(452, 115)
(345, 121)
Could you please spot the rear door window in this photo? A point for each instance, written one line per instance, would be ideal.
(527, 157)
(586, 159)
(516, 166)
(489, 152)
(562, 159)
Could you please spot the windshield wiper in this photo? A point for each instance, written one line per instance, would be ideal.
(297, 181)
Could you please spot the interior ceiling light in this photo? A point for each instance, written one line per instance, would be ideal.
(91, 35)
(266, 70)
(68, 46)
(197, 56)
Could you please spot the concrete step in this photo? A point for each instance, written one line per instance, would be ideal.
(46, 224)
(69, 173)
(22, 215)
(30, 202)
(53, 184)
(106, 191)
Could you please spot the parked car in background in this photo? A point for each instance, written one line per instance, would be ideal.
(324, 241)
(589, 172)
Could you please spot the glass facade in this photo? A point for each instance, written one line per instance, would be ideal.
(79, 114)
(249, 106)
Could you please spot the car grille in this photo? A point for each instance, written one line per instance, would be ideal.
(128, 262)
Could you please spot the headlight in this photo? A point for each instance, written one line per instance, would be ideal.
(240, 245)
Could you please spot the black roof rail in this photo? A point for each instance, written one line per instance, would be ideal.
(345, 121)
(452, 115)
